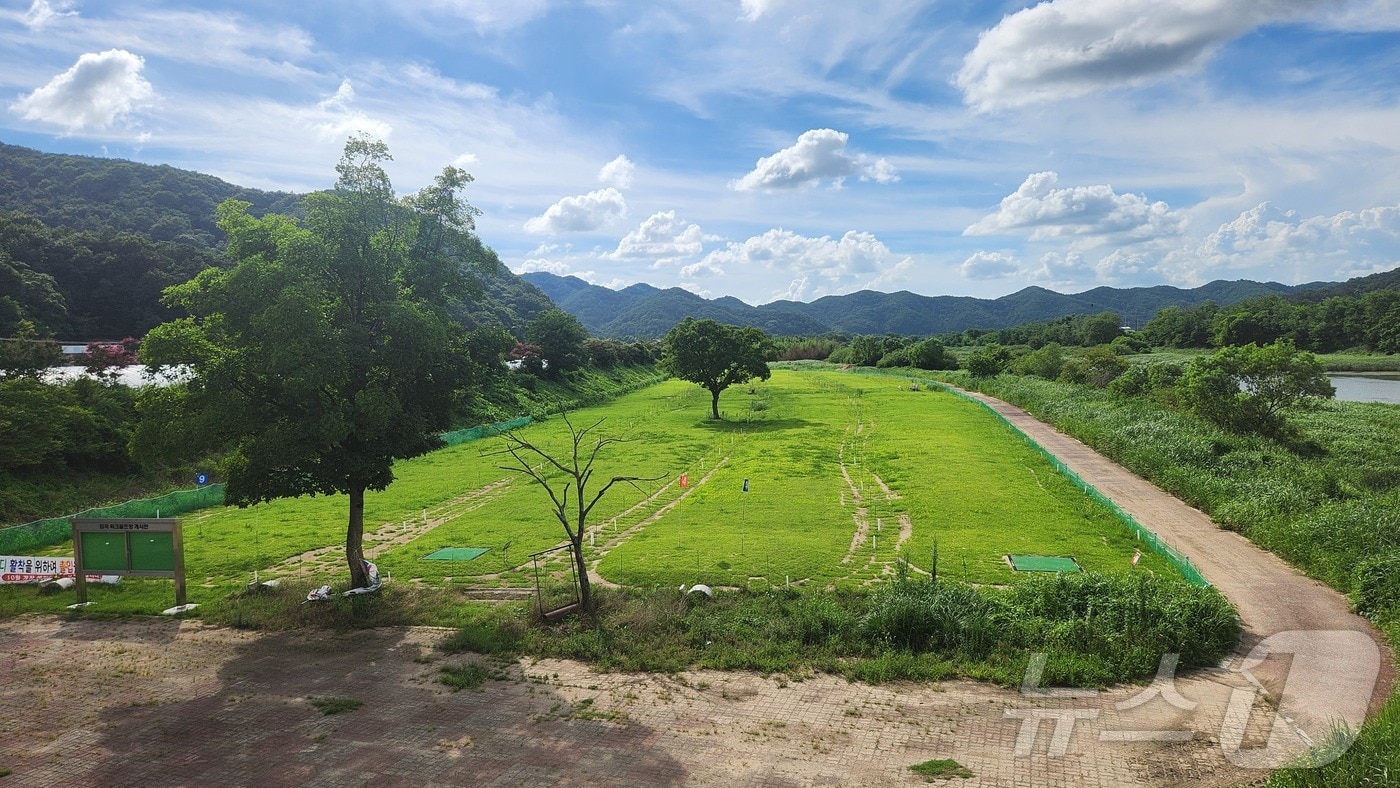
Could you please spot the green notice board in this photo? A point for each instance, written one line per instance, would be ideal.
(149, 547)
(104, 552)
(153, 552)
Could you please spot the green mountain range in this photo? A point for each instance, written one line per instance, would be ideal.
(642, 311)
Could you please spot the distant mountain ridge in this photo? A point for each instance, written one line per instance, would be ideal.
(643, 311)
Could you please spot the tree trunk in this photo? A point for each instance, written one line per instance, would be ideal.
(585, 592)
(354, 539)
(714, 403)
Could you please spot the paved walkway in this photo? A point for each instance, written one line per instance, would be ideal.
(1315, 657)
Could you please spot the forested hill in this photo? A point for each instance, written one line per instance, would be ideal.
(118, 196)
(642, 311)
(87, 245)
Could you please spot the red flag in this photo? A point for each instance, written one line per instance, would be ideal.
(685, 480)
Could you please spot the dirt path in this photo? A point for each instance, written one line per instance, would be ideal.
(1320, 661)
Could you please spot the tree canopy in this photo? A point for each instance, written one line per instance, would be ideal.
(560, 338)
(325, 352)
(1248, 389)
(715, 355)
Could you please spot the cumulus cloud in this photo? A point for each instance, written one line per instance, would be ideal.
(1043, 210)
(337, 117)
(556, 267)
(583, 213)
(818, 155)
(617, 172)
(1343, 244)
(100, 88)
(42, 12)
(848, 263)
(1062, 269)
(1065, 48)
(662, 237)
(989, 265)
(753, 9)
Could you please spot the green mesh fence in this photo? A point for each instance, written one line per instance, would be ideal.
(1151, 540)
(20, 539)
(483, 431)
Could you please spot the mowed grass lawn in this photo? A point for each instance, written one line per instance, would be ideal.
(961, 478)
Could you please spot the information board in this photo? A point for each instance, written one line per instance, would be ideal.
(122, 546)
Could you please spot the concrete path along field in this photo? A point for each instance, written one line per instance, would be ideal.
(1319, 661)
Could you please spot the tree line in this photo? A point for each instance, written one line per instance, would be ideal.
(1370, 321)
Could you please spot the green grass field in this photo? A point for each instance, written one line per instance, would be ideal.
(847, 475)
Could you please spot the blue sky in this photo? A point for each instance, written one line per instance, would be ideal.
(771, 149)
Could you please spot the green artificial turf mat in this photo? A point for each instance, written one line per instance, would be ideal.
(1043, 563)
(455, 553)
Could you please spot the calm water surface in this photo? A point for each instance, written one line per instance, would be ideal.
(1368, 387)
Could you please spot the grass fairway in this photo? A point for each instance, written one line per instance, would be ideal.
(846, 474)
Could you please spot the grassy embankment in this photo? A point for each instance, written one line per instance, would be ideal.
(1328, 504)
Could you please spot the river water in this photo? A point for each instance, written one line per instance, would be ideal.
(1367, 386)
(1351, 386)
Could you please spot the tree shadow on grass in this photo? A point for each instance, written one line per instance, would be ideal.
(728, 426)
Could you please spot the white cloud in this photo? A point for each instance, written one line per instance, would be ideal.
(1047, 212)
(556, 267)
(486, 15)
(617, 172)
(1065, 48)
(753, 9)
(1057, 269)
(848, 263)
(989, 265)
(1341, 245)
(100, 88)
(42, 12)
(663, 238)
(337, 117)
(465, 161)
(818, 155)
(583, 213)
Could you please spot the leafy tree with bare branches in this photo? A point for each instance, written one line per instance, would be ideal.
(566, 480)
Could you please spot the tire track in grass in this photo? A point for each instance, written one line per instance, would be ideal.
(861, 517)
(386, 535)
(620, 538)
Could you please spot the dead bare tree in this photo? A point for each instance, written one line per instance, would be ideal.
(577, 471)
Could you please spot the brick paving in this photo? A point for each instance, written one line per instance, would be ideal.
(158, 702)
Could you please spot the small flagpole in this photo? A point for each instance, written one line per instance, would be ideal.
(743, 507)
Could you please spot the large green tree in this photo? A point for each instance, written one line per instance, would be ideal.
(1249, 388)
(715, 355)
(560, 338)
(325, 352)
